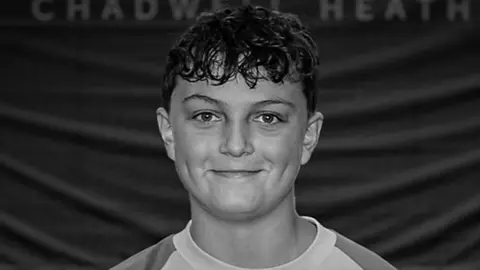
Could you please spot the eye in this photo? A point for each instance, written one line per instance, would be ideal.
(206, 117)
(269, 118)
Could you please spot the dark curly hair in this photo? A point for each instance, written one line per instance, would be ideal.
(254, 42)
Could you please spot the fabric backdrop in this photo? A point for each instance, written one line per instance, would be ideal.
(85, 181)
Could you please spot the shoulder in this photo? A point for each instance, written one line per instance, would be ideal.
(154, 257)
(364, 257)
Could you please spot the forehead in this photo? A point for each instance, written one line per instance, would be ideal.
(237, 91)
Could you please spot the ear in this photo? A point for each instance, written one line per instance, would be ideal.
(314, 126)
(166, 131)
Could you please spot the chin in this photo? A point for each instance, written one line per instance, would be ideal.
(236, 211)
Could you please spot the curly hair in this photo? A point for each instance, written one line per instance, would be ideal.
(257, 43)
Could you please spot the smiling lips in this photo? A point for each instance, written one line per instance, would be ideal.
(236, 173)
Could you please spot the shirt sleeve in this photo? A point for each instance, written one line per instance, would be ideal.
(367, 259)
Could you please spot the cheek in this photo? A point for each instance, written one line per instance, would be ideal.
(281, 149)
(193, 148)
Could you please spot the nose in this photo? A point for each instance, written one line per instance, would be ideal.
(236, 140)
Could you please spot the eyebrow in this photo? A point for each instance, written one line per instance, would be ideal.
(207, 99)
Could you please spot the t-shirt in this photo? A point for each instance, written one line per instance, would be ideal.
(328, 251)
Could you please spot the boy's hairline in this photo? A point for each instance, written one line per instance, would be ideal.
(295, 74)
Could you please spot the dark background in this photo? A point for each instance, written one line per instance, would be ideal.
(85, 182)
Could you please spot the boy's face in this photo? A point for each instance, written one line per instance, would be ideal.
(236, 150)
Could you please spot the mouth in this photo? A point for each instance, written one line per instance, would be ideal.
(235, 173)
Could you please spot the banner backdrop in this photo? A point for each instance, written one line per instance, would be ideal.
(84, 179)
(166, 11)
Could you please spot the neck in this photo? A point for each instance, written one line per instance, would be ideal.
(274, 239)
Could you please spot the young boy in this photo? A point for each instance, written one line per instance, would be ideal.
(239, 120)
